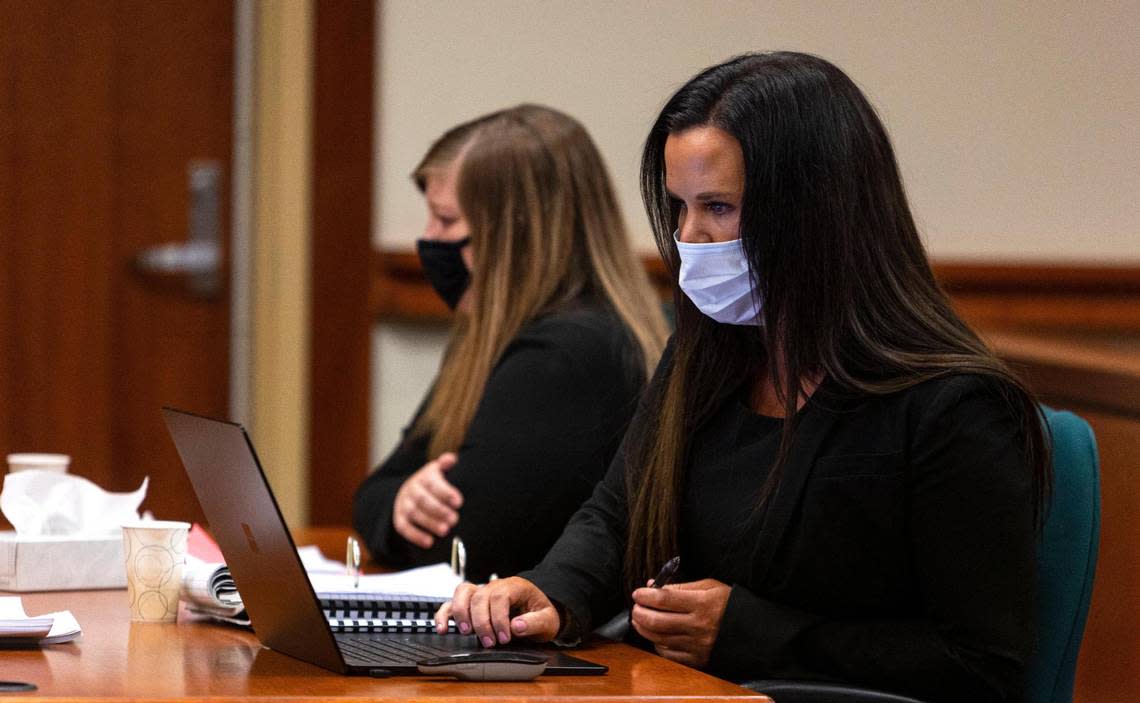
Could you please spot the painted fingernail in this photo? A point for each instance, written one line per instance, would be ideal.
(504, 638)
(464, 628)
(519, 624)
(487, 641)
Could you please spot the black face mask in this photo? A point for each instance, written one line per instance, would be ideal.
(443, 265)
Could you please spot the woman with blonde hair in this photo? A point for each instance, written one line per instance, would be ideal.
(555, 332)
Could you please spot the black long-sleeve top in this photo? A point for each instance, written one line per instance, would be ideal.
(550, 420)
(897, 553)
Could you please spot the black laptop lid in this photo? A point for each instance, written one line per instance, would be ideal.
(245, 520)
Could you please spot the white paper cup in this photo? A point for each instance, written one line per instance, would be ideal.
(44, 462)
(155, 553)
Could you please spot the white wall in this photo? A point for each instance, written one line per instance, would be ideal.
(404, 361)
(1015, 124)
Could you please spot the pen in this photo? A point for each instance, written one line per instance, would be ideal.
(352, 560)
(16, 686)
(667, 572)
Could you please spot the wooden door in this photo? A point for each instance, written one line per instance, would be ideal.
(104, 105)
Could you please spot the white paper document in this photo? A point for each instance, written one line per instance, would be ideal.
(16, 628)
(435, 581)
(315, 562)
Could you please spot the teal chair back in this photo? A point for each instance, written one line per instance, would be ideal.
(1066, 559)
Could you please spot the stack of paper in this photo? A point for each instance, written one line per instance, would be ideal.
(17, 629)
(436, 581)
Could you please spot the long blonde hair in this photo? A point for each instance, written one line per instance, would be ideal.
(545, 230)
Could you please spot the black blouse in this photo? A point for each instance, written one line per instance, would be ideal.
(550, 420)
(728, 466)
(897, 552)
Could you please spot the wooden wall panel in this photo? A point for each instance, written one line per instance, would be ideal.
(57, 149)
(1110, 653)
(1097, 376)
(103, 106)
(173, 65)
(341, 315)
(1022, 296)
(8, 178)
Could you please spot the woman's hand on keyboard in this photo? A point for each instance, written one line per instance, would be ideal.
(486, 611)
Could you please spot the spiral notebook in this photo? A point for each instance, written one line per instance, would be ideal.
(351, 612)
(403, 601)
(346, 612)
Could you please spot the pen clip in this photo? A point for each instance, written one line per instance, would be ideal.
(352, 560)
(458, 558)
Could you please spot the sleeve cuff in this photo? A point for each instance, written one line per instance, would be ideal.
(569, 634)
(575, 613)
(755, 634)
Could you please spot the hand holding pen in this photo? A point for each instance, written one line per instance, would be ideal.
(682, 620)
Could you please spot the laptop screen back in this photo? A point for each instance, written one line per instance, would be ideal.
(247, 523)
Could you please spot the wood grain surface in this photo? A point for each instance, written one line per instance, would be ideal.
(118, 659)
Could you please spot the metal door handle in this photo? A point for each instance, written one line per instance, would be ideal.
(199, 257)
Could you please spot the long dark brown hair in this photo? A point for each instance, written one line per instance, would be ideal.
(836, 260)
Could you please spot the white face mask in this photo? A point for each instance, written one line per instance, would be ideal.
(715, 276)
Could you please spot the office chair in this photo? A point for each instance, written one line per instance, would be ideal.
(1066, 562)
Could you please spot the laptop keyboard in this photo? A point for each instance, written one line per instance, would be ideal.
(382, 650)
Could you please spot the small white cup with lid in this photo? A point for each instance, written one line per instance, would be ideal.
(43, 462)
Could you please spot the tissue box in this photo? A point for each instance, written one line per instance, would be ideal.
(60, 562)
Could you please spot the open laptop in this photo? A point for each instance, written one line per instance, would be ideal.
(286, 614)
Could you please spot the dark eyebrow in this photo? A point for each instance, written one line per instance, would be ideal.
(703, 197)
(713, 195)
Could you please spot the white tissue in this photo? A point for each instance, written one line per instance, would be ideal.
(49, 503)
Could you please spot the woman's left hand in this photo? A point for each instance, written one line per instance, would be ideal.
(682, 619)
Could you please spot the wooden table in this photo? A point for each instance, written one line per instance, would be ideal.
(192, 660)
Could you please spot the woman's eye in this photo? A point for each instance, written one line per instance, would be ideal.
(718, 208)
(447, 221)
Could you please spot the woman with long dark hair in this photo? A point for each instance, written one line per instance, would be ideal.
(852, 480)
